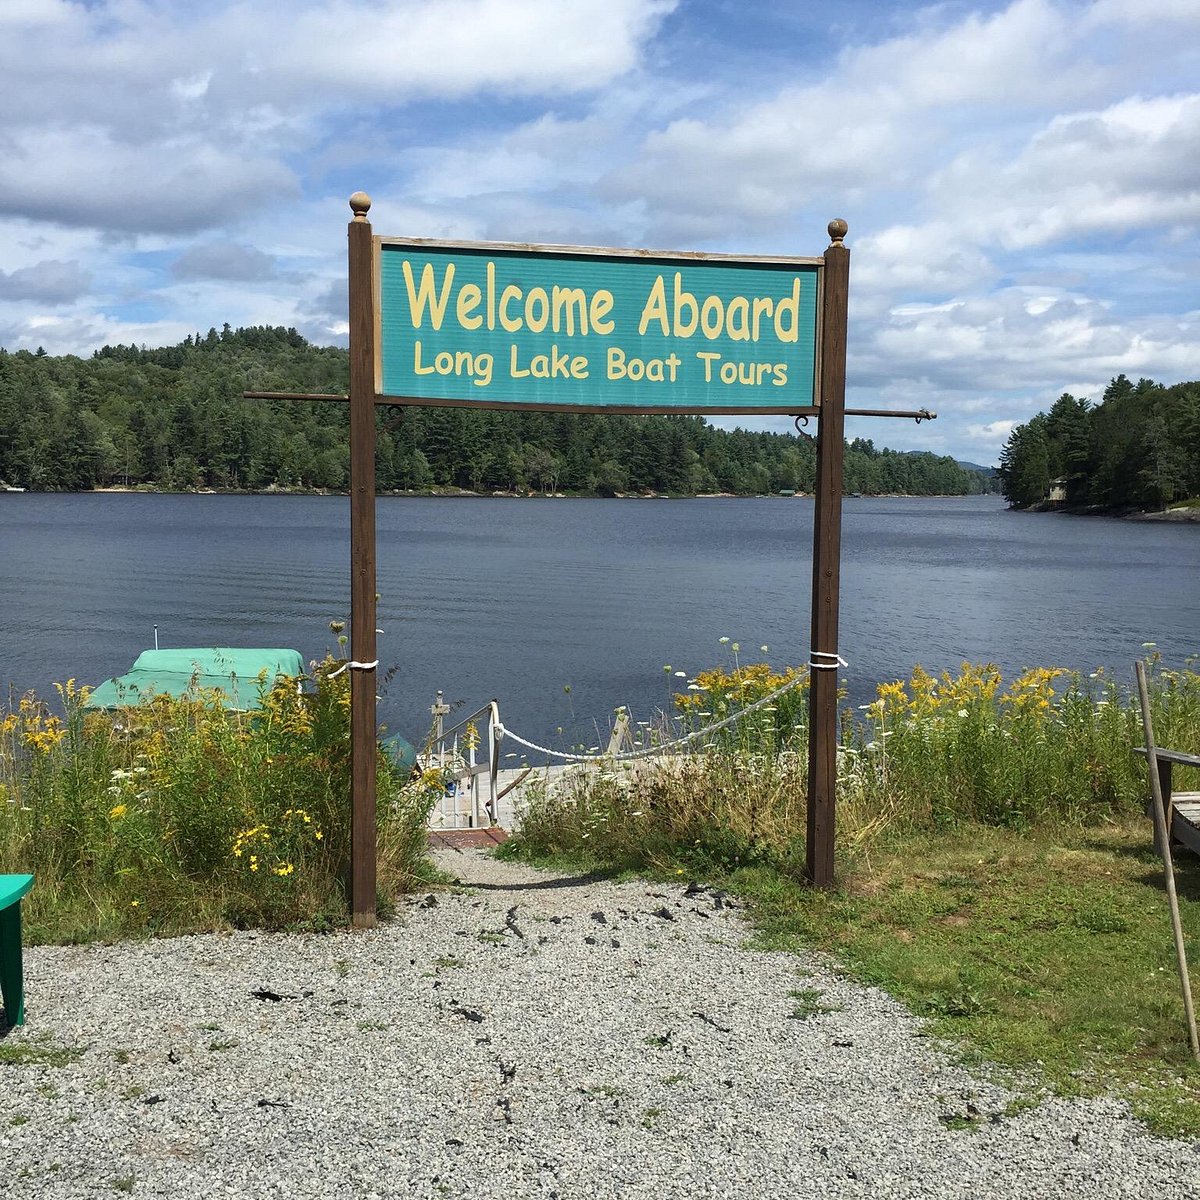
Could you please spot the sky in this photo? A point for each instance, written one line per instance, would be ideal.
(1021, 181)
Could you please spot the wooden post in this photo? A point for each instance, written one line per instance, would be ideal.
(363, 673)
(827, 550)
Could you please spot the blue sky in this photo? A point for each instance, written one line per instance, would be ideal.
(1021, 181)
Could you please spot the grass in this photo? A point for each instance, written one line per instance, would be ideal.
(995, 868)
(179, 816)
(1046, 950)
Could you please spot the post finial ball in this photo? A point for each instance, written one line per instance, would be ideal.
(837, 230)
(360, 204)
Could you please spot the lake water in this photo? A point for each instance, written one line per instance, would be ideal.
(522, 600)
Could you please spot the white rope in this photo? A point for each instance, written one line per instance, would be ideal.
(499, 733)
(838, 660)
(351, 665)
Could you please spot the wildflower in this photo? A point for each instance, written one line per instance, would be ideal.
(283, 869)
(723, 641)
(254, 862)
(680, 674)
(764, 649)
(117, 811)
(135, 904)
(962, 712)
(1149, 645)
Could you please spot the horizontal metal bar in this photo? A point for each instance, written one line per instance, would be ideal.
(292, 396)
(922, 414)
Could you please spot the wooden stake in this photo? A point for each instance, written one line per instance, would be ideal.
(827, 551)
(1163, 837)
(363, 674)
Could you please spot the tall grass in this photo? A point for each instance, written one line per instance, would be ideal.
(179, 814)
(926, 753)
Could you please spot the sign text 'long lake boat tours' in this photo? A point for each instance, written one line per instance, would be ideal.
(495, 325)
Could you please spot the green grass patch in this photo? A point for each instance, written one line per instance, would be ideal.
(39, 1053)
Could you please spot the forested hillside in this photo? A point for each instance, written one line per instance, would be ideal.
(1138, 448)
(174, 418)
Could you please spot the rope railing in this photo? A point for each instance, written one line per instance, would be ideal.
(500, 733)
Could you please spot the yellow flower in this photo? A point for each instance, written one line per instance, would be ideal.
(135, 903)
(283, 869)
(118, 810)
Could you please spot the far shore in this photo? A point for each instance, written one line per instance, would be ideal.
(467, 493)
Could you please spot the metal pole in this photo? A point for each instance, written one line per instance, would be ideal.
(362, 567)
(1162, 834)
(827, 550)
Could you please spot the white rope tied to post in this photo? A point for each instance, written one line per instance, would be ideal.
(352, 665)
(838, 660)
(499, 733)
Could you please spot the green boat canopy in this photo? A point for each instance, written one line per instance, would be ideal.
(233, 672)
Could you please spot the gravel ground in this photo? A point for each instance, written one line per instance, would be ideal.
(532, 1035)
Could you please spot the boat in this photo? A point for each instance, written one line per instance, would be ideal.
(237, 675)
(234, 673)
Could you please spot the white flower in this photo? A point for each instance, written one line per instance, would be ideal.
(1149, 645)
(962, 712)
(680, 674)
(764, 649)
(723, 641)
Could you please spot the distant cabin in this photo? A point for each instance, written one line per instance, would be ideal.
(1058, 491)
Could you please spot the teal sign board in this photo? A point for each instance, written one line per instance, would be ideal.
(498, 325)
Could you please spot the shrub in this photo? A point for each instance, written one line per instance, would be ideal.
(180, 814)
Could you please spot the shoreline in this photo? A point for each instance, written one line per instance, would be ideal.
(466, 493)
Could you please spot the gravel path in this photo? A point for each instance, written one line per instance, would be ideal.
(531, 1035)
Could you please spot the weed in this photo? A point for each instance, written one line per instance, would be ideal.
(223, 1044)
(41, 1053)
(808, 1004)
(124, 1183)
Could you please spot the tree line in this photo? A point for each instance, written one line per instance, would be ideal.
(174, 418)
(1138, 448)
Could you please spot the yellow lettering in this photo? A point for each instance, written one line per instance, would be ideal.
(763, 307)
(655, 309)
(417, 368)
(789, 331)
(601, 306)
(537, 297)
(469, 297)
(712, 317)
(685, 300)
(511, 324)
(579, 367)
(565, 300)
(491, 295)
(426, 294)
(515, 371)
(708, 357)
(737, 319)
(616, 362)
